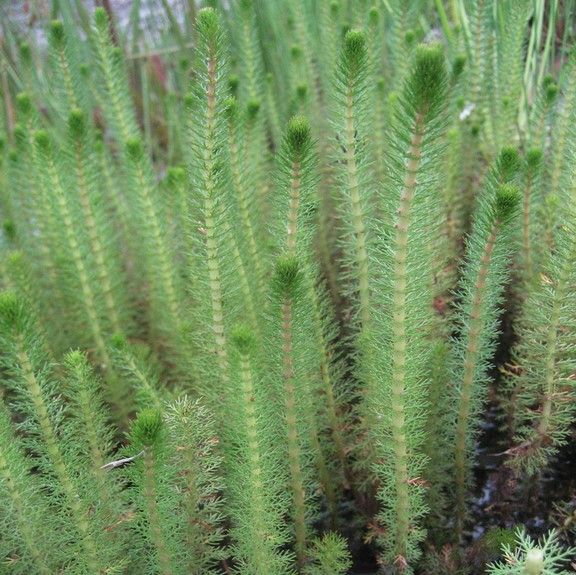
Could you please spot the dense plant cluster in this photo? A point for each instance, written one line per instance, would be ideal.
(266, 282)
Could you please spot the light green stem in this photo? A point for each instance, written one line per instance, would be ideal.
(154, 521)
(52, 445)
(17, 498)
(359, 226)
(471, 358)
(255, 462)
(400, 344)
(293, 436)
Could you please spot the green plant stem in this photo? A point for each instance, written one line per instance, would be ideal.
(88, 298)
(527, 225)
(328, 384)
(56, 458)
(161, 255)
(551, 357)
(293, 436)
(213, 260)
(470, 363)
(150, 495)
(243, 204)
(94, 238)
(361, 253)
(67, 78)
(295, 186)
(562, 132)
(399, 368)
(12, 485)
(254, 459)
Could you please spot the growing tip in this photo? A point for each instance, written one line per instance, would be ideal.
(298, 135)
(373, 17)
(507, 198)
(243, 338)
(10, 232)
(429, 75)
(302, 91)
(409, 37)
(77, 123)
(287, 275)
(11, 310)
(233, 83)
(101, 19)
(25, 51)
(176, 176)
(252, 108)
(296, 51)
(458, 65)
(134, 149)
(57, 34)
(118, 342)
(355, 51)
(508, 163)
(207, 22)
(24, 103)
(246, 6)
(42, 140)
(551, 91)
(534, 564)
(75, 359)
(534, 158)
(147, 427)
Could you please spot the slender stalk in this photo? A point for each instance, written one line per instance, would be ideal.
(254, 458)
(54, 180)
(150, 496)
(400, 341)
(78, 127)
(293, 436)
(56, 457)
(18, 488)
(470, 363)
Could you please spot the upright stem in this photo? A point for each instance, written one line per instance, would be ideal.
(294, 452)
(95, 242)
(213, 260)
(150, 495)
(244, 206)
(295, 185)
(165, 266)
(12, 485)
(74, 246)
(255, 462)
(471, 357)
(399, 334)
(551, 357)
(361, 254)
(328, 384)
(526, 227)
(56, 458)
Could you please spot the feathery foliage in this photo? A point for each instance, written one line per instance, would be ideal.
(288, 287)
